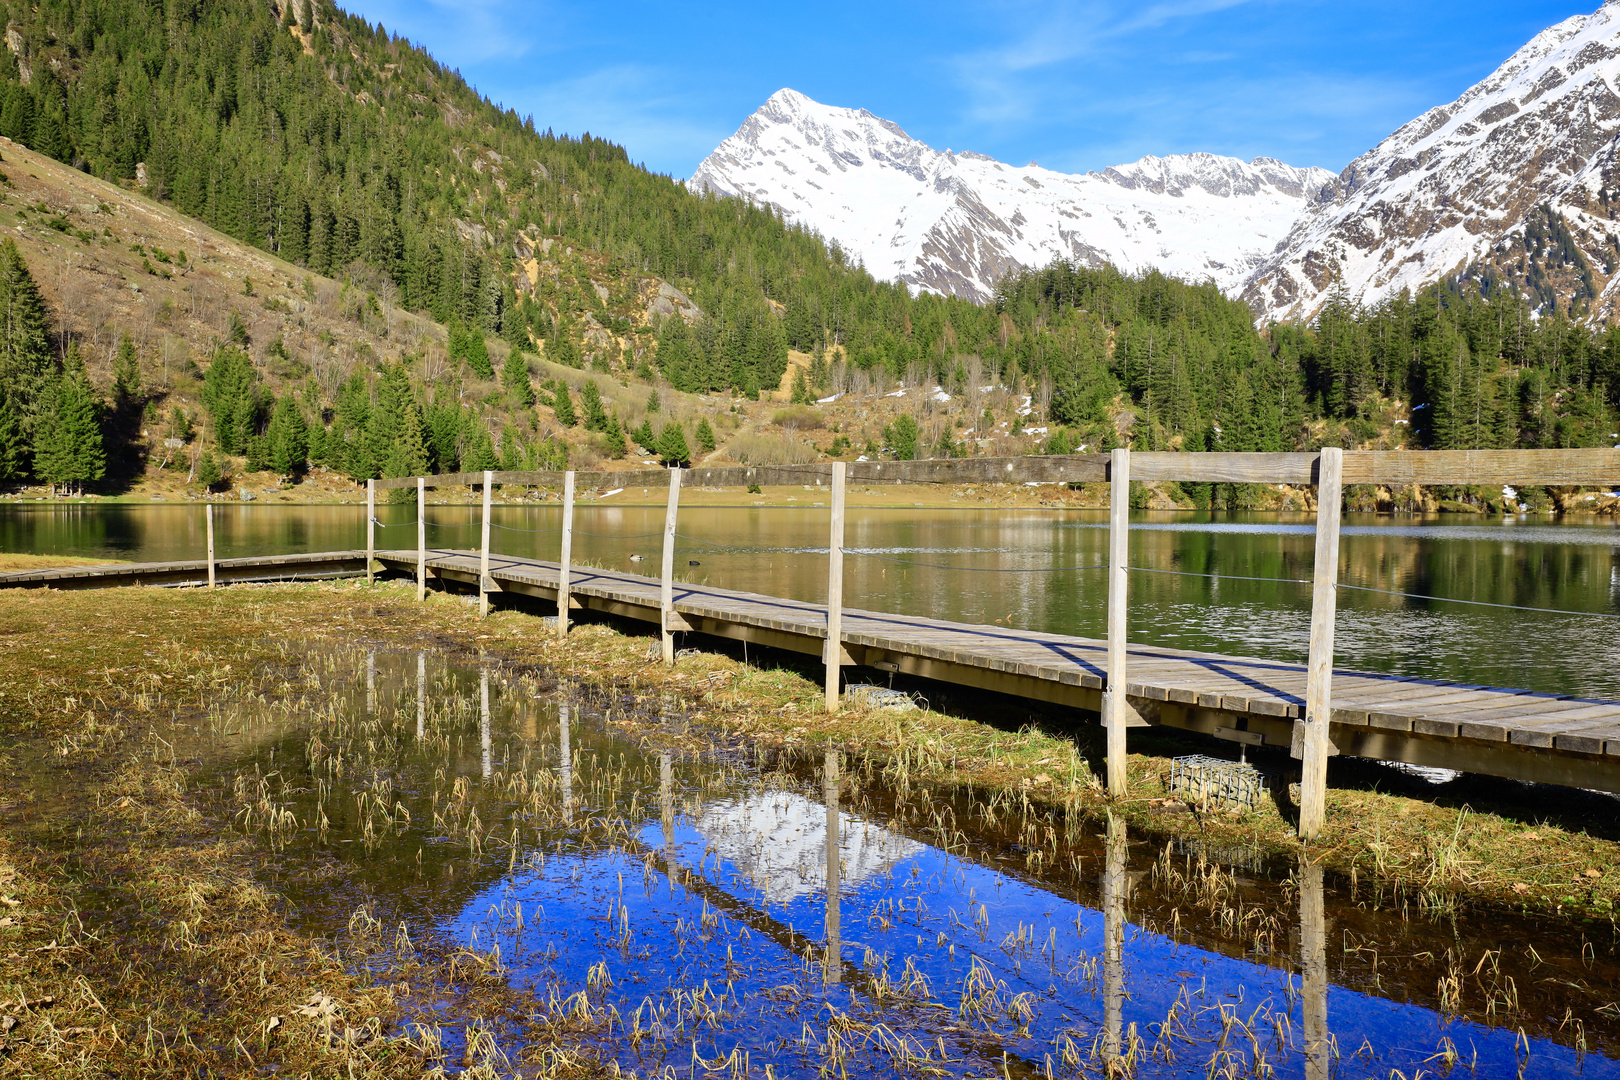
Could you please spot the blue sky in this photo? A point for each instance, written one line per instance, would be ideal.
(1074, 86)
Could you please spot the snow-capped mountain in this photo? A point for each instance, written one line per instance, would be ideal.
(956, 222)
(1466, 185)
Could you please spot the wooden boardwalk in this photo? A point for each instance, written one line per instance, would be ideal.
(304, 566)
(1513, 733)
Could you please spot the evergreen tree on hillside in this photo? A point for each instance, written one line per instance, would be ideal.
(563, 404)
(68, 448)
(480, 455)
(287, 437)
(673, 449)
(409, 454)
(126, 374)
(13, 447)
(26, 363)
(705, 436)
(515, 378)
(233, 397)
(590, 402)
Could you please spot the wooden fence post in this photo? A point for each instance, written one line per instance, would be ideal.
(835, 587)
(564, 563)
(1115, 710)
(421, 538)
(1315, 746)
(210, 545)
(371, 528)
(667, 589)
(483, 555)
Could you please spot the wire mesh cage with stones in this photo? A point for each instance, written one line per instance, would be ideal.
(1206, 782)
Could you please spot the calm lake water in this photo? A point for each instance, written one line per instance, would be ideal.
(663, 904)
(1034, 569)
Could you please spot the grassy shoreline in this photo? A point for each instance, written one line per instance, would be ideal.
(88, 798)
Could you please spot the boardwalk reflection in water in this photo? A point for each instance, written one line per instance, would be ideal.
(665, 904)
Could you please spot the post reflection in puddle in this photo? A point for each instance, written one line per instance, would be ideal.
(1313, 969)
(421, 693)
(483, 720)
(565, 761)
(832, 963)
(666, 793)
(1115, 885)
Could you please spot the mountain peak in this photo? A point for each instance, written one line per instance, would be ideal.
(956, 222)
(1455, 189)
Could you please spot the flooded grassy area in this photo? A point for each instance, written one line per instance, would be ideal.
(322, 829)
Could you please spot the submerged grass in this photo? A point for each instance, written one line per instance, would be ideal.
(136, 938)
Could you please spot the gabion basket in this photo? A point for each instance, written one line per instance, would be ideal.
(1204, 782)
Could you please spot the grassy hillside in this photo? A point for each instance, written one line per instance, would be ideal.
(332, 259)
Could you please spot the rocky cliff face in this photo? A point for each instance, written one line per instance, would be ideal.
(1515, 181)
(956, 222)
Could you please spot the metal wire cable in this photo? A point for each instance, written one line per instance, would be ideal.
(394, 525)
(618, 536)
(1382, 592)
(1224, 577)
(978, 569)
(1481, 603)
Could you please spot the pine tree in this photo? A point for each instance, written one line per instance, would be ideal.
(13, 448)
(68, 446)
(515, 378)
(644, 436)
(590, 401)
(26, 363)
(480, 454)
(705, 436)
(564, 404)
(672, 446)
(209, 472)
(287, 437)
(613, 438)
(231, 394)
(902, 437)
(126, 374)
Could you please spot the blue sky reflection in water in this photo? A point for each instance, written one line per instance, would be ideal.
(734, 908)
(616, 876)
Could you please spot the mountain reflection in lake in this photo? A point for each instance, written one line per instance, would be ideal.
(675, 910)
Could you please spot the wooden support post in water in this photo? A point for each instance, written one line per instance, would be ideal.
(483, 555)
(210, 545)
(564, 563)
(421, 538)
(1115, 710)
(666, 593)
(371, 528)
(1319, 668)
(835, 587)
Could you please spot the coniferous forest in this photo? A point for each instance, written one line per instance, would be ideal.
(342, 149)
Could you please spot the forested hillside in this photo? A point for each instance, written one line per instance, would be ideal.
(373, 181)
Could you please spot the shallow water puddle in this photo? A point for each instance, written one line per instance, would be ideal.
(677, 911)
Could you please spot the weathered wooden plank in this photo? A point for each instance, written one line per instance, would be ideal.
(1484, 467)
